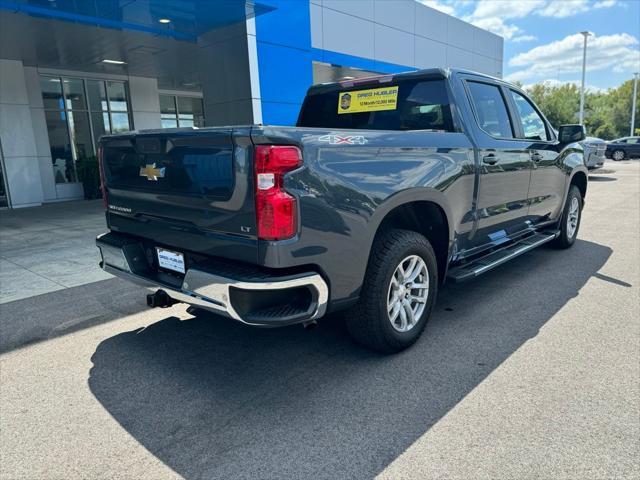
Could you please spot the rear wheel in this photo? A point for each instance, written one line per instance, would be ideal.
(571, 216)
(618, 155)
(398, 293)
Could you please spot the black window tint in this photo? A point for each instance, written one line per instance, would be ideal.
(421, 105)
(532, 123)
(491, 109)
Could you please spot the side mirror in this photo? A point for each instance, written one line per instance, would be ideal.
(571, 133)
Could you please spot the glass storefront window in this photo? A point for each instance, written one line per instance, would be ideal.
(190, 112)
(80, 134)
(101, 125)
(119, 122)
(97, 95)
(74, 93)
(168, 112)
(61, 155)
(117, 96)
(51, 93)
(178, 111)
(78, 112)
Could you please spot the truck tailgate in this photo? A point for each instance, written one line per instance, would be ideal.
(191, 189)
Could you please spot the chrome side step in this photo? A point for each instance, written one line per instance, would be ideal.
(481, 265)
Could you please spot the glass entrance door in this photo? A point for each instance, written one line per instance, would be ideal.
(4, 194)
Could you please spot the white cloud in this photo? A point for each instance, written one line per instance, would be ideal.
(524, 38)
(497, 26)
(618, 53)
(504, 10)
(447, 8)
(565, 8)
(605, 3)
(492, 14)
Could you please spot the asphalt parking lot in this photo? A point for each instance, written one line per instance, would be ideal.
(532, 371)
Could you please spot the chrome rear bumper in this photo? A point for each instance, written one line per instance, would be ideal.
(220, 293)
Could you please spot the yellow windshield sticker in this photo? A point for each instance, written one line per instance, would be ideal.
(371, 100)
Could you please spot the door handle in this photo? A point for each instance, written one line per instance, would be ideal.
(490, 159)
(536, 157)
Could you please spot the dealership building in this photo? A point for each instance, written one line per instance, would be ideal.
(71, 70)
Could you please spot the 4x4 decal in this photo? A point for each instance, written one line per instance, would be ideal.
(343, 140)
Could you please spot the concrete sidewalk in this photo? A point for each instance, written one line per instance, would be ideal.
(49, 248)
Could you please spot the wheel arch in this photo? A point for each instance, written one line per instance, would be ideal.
(579, 178)
(424, 211)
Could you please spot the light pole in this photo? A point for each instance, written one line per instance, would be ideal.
(584, 67)
(633, 103)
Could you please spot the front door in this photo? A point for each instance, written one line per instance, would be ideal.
(504, 169)
(547, 177)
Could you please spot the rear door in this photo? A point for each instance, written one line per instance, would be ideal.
(505, 166)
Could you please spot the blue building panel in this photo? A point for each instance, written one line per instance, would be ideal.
(285, 73)
(284, 60)
(287, 23)
(279, 113)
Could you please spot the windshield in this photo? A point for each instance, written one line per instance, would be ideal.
(411, 104)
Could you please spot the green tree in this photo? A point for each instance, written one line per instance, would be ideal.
(607, 114)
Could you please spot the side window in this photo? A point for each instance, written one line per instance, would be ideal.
(532, 124)
(491, 109)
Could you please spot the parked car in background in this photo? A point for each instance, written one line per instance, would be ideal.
(627, 147)
(594, 152)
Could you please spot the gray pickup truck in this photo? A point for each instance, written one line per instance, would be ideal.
(387, 187)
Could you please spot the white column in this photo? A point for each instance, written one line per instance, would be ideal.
(39, 124)
(22, 169)
(145, 103)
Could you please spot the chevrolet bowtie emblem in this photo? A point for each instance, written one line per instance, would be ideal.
(151, 172)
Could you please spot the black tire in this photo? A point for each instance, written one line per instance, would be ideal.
(368, 322)
(613, 155)
(566, 239)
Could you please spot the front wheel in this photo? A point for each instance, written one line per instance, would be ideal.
(618, 155)
(398, 293)
(570, 221)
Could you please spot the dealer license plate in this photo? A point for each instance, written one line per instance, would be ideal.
(170, 260)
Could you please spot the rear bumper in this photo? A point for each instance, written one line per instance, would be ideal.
(251, 297)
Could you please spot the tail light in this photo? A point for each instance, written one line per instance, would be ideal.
(103, 186)
(276, 210)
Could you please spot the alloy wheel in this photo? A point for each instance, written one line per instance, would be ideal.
(572, 218)
(408, 293)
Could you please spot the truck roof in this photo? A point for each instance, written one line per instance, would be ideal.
(427, 72)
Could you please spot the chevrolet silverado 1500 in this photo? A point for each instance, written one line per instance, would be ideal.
(386, 187)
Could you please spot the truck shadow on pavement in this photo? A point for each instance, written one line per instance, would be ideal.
(215, 399)
(65, 311)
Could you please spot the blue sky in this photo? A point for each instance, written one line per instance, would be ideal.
(542, 40)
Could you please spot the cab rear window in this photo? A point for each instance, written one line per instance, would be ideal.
(417, 105)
